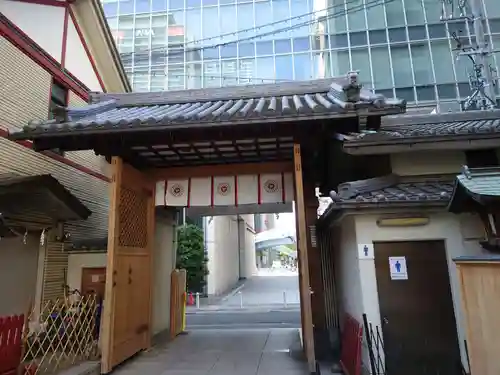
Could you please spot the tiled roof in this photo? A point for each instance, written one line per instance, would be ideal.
(391, 190)
(475, 188)
(481, 181)
(431, 126)
(325, 98)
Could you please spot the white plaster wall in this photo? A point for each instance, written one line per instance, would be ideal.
(247, 246)
(348, 276)
(48, 33)
(77, 60)
(223, 254)
(18, 274)
(442, 226)
(429, 162)
(163, 265)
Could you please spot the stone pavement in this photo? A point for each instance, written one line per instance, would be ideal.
(221, 352)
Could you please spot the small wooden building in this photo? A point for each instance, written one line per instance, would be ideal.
(478, 190)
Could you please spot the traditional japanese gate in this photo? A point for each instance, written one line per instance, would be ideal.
(127, 313)
(234, 130)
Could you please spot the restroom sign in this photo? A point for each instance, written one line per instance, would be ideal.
(365, 251)
(397, 266)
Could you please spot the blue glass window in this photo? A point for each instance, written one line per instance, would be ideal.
(284, 68)
(210, 25)
(283, 46)
(228, 51)
(339, 41)
(110, 9)
(193, 3)
(301, 44)
(245, 20)
(222, 2)
(228, 22)
(246, 50)
(193, 26)
(211, 53)
(302, 67)
(264, 48)
(263, 17)
(142, 6)
(126, 7)
(299, 7)
(281, 12)
(158, 5)
(265, 70)
(175, 4)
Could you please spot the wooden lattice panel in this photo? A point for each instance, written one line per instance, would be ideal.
(133, 218)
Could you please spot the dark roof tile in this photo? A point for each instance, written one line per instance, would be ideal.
(431, 126)
(290, 100)
(391, 189)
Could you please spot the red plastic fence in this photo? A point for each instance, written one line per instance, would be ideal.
(11, 330)
(350, 354)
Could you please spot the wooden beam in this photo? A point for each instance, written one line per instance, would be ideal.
(109, 295)
(163, 174)
(305, 289)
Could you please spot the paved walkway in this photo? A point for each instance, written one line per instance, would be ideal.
(221, 352)
(266, 289)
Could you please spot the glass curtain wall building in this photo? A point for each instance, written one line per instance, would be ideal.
(400, 47)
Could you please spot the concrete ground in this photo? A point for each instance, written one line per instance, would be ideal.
(221, 352)
(269, 287)
(225, 339)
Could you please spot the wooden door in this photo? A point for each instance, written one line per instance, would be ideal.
(127, 301)
(418, 319)
(304, 283)
(94, 281)
(480, 285)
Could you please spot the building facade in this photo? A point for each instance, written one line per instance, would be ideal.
(400, 47)
(44, 65)
(393, 239)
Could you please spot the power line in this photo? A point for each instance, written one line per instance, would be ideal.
(368, 5)
(481, 80)
(217, 76)
(252, 28)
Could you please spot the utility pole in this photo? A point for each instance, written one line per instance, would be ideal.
(481, 80)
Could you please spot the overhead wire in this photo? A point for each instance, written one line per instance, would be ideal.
(233, 33)
(367, 5)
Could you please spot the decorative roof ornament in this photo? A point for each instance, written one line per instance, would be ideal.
(352, 90)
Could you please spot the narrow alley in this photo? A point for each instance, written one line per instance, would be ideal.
(224, 338)
(221, 352)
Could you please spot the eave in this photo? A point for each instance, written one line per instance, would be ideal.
(455, 142)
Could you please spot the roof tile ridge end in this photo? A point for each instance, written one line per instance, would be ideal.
(351, 189)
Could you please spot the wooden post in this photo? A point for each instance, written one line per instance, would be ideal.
(305, 290)
(109, 295)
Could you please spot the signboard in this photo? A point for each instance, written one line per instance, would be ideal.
(397, 266)
(365, 251)
(144, 32)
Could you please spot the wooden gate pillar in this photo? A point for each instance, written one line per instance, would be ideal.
(127, 316)
(302, 255)
(314, 259)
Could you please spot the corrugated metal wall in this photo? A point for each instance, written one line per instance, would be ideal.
(328, 276)
(54, 272)
(24, 96)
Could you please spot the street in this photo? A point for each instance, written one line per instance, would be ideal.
(247, 318)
